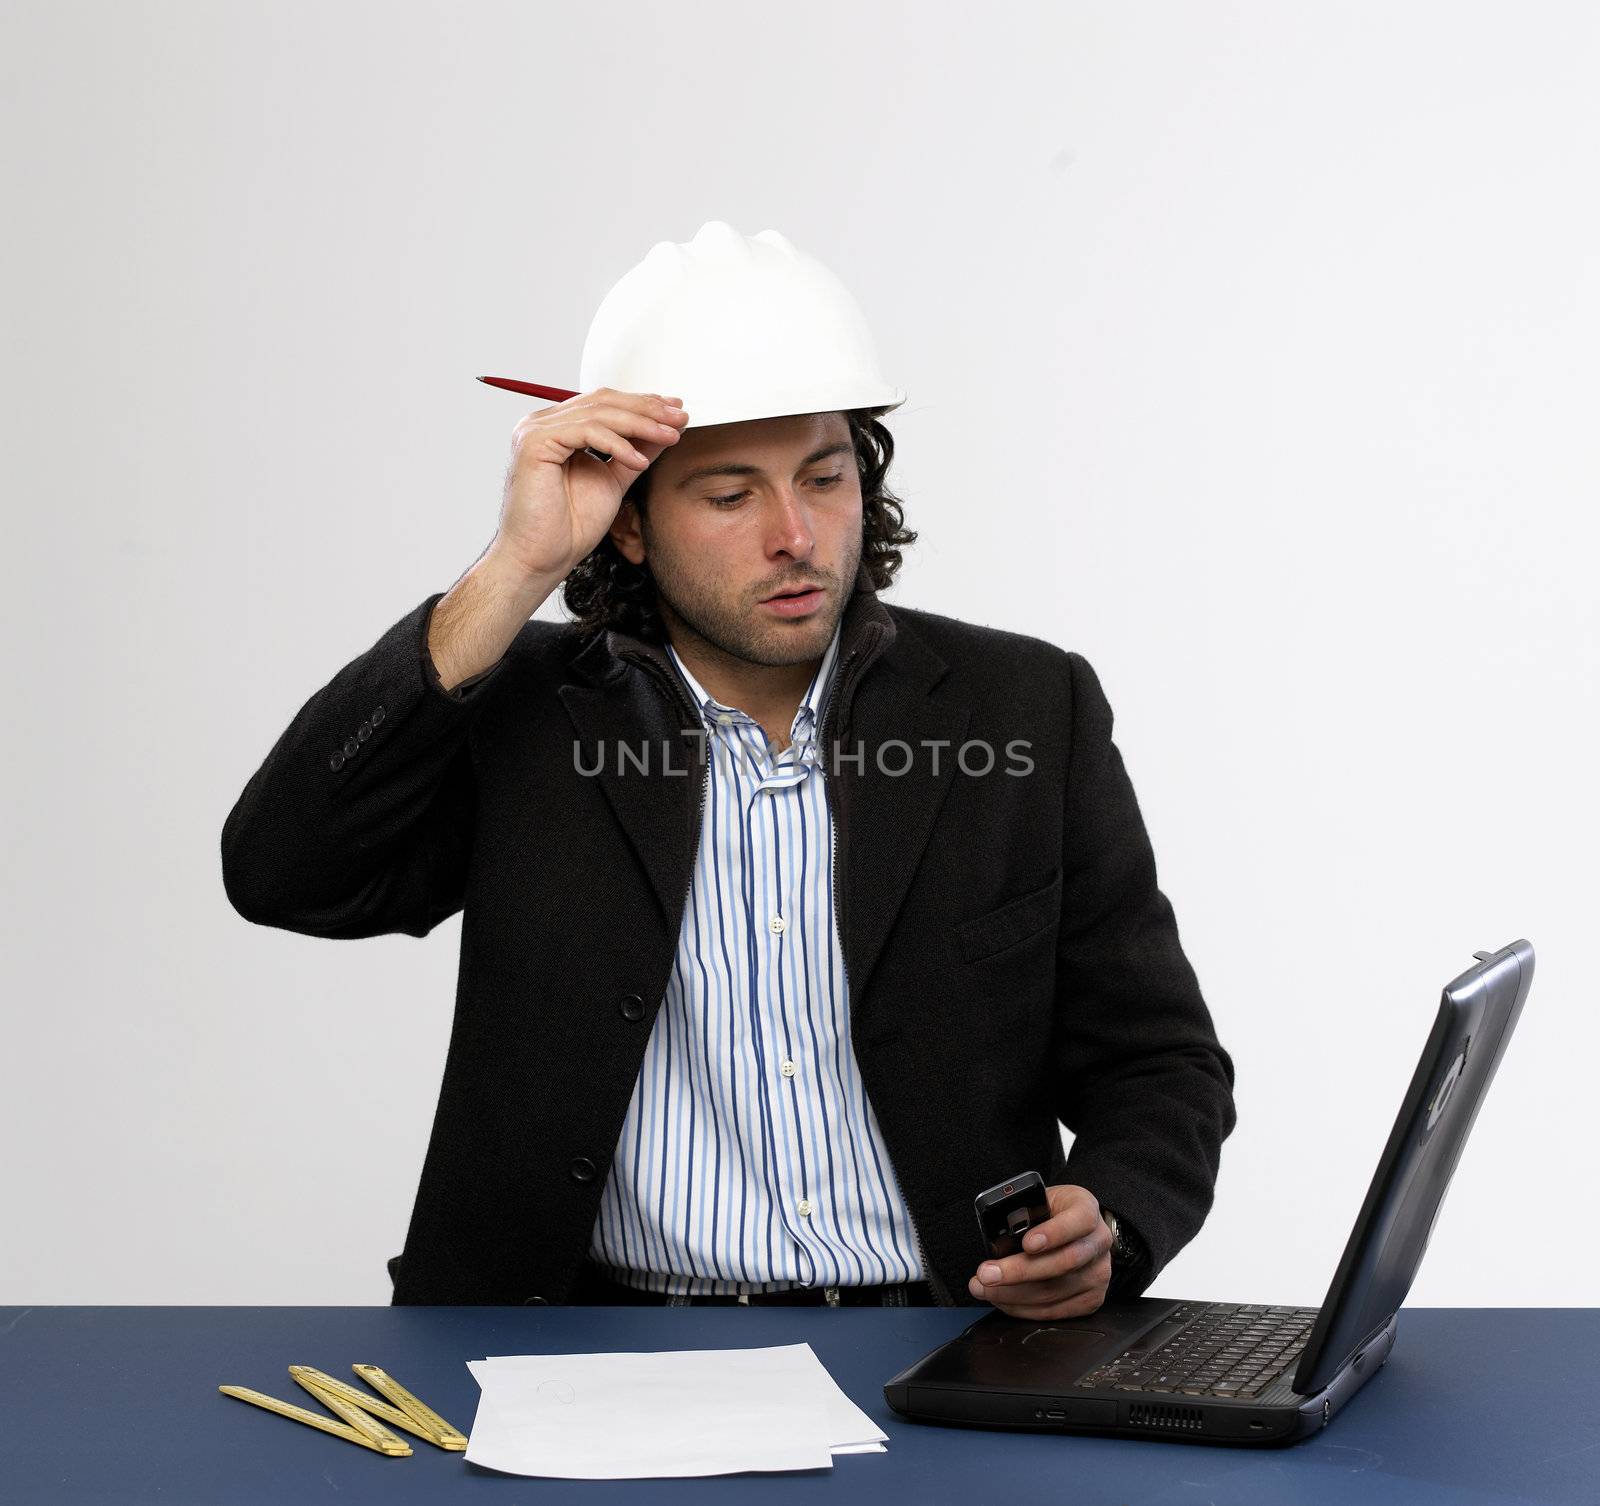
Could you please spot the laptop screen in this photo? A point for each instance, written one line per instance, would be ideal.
(1477, 1013)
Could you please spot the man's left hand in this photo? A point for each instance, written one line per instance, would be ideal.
(1064, 1266)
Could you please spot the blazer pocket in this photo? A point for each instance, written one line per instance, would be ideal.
(1014, 921)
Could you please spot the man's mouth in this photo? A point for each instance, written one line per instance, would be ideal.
(793, 591)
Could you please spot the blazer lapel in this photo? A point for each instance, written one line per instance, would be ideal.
(883, 817)
(621, 724)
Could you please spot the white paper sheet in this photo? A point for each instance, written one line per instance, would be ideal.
(663, 1413)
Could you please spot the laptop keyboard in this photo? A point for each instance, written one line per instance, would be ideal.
(1228, 1350)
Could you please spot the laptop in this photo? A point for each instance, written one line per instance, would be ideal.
(1246, 1373)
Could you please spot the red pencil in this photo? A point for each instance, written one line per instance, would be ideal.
(531, 389)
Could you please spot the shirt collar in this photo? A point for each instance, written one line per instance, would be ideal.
(808, 715)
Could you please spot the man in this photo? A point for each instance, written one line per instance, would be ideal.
(788, 925)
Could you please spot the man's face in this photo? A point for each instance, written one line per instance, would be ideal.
(739, 512)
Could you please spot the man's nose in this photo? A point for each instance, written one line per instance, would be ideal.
(789, 524)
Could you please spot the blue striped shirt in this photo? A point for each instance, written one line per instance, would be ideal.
(750, 1158)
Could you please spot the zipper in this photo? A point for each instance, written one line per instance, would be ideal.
(835, 695)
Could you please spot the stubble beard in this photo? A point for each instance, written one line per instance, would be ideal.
(735, 627)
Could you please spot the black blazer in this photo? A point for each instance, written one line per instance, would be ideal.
(1012, 964)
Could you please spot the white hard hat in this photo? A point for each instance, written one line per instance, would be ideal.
(740, 327)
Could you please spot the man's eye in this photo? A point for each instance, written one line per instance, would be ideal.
(824, 483)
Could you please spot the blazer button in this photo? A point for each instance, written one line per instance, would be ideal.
(582, 1170)
(632, 1007)
(350, 747)
(337, 761)
(377, 715)
(535, 1301)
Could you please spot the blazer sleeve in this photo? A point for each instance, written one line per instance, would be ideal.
(359, 821)
(1145, 1086)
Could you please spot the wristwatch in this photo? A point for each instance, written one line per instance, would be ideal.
(1122, 1249)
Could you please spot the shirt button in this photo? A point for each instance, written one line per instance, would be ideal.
(788, 1069)
(805, 1207)
(776, 925)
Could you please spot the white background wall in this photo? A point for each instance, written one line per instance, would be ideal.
(1251, 352)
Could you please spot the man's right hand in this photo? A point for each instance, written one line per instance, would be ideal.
(559, 502)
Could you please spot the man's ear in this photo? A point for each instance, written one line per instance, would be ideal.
(627, 535)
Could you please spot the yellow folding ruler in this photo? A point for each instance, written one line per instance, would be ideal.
(361, 1411)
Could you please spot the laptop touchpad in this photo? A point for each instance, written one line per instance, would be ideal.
(1063, 1341)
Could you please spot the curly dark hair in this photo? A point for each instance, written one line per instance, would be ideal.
(604, 590)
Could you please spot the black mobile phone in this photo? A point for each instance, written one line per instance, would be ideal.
(1009, 1209)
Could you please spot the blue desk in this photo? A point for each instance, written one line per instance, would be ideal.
(119, 1405)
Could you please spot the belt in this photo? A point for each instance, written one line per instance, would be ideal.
(595, 1286)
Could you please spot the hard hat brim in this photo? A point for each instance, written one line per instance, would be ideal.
(891, 400)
